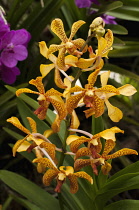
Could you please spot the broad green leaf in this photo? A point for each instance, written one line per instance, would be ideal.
(123, 183)
(117, 29)
(27, 204)
(132, 168)
(29, 190)
(123, 205)
(131, 48)
(109, 7)
(121, 71)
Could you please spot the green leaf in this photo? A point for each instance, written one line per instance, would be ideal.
(116, 186)
(121, 71)
(111, 6)
(132, 168)
(27, 204)
(29, 190)
(123, 205)
(117, 29)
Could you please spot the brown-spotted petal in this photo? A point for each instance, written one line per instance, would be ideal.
(74, 121)
(79, 43)
(61, 59)
(73, 101)
(75, 144)
(73, 183)
(25, 90)
(32, 124)
(82, 174)
(85, 63)
(58, 80)
(18, 144)
(76, 25)
(110, 133)
(58, 28)
(50, 149)
(38, 84)
(71, 60)
(45, 162)
(92, 77)
(84, 151)
(15, 121)
(80, 163)
(49, 176)
(109, 145)
(53, 48)
(121, 152)
(106, 168)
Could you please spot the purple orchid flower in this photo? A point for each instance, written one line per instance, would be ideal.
(108, 19)
(3, 27)
(85, 3)
(8, 75)
(13, 45)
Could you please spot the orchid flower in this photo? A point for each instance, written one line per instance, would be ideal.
(45, 98)
(61, 174)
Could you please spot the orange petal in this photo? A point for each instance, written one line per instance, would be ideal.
(76, 89)
(73, 101)
(58, 28)
(75, 144)
(106, 92)
(127, 90)
(67, 169)
(45, 69)
(38, 84)
(89, 112)
(45, 162)
(56, 124)
(109, 145)
(114, 113)
(92, 77)
(53, 48)
(25, 90)
(58, 79)
(79, 43)
(59, 106)
(32, 124)
(41, 111)
(43, 48)
(73, 183)
(80, 163)
(50, 149)
(53, 92)
(17, 145)
(71, 138)
(84, 151)
(122, 152)
(49, 176)
(61, 60)
(15, 121)
(106, 168)
(76, 25)
(84, 175)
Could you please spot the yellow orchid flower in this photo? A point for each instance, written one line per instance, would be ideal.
(61, 174)
(96, 159)
(107, 91)
(67, 44)
(95, 61)
(70, 60)
(45, 98)
(30, 141)
(75, 141)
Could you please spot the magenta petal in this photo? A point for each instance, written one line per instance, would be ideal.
(20, 52)
(6, 39)
(83, 3)
(20, 37)
(8, 75)
(8, 59)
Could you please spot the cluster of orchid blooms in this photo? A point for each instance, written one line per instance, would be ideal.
(13, 48)
(86, 149)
